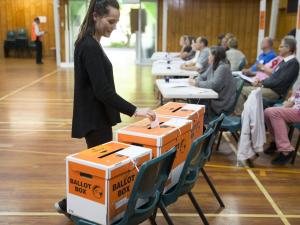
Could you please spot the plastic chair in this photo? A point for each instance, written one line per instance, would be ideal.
(10, 36)
(291, 132)
(242, 64)
(9, 43)
(21, 40)
(22, 34)
(215, 125)
(194, 162)
(232, 123)
(148, 186)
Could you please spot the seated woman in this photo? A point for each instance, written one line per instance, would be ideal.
(219, 78)
(264, 71)
(186, 52)
(277, 119)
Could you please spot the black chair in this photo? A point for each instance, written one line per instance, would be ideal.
(215, 125)
(148, 186)
(195, 160)
(294, 126)
(21, 41)
(232, 123)
(9, 43)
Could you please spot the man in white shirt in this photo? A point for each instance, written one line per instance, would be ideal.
(36, 36)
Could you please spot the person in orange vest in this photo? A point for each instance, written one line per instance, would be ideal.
(36, 36)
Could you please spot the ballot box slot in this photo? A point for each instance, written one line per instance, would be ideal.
(149, 127)
(86, 175)
(109, 153)
(175, 110)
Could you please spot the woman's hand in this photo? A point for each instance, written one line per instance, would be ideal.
(145, 112)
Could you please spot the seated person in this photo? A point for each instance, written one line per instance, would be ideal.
(277, 119)
(220, 38)
(219, 78)
(201, 62)
(186, 52)
(264, 71)
(282, 78)
(225, 40)
(235, 56)
(266, 56)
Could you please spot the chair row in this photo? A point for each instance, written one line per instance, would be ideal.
(18, 41)
(153, 175)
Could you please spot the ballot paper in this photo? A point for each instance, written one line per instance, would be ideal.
(241, 75)
(154, 123)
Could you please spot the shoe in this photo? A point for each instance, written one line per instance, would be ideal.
(249, 163)
(61, 207)
(282, 159)
(271, 149)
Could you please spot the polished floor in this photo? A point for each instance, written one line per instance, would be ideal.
(35, 122)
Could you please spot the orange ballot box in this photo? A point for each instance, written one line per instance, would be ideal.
(186, 111)
(170, 132)
(100, 180)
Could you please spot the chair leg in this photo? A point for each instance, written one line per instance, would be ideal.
(219, 140)
(153, 217)
(165, 213)
(296, 150)
(161, 99)
(291, 132)
(212, 187)
(152, 221)
(197, 207)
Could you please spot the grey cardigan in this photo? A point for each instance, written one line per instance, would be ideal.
(222, 82)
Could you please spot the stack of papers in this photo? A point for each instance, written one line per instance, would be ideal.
(241, 75)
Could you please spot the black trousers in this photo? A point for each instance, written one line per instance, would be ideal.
(38, 51)
(98, 137)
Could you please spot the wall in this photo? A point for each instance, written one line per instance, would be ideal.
(213, 17)
(20, 14)
(286, 21)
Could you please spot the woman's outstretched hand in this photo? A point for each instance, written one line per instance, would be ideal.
(145, 112)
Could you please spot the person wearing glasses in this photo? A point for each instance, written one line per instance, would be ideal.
(281, 79)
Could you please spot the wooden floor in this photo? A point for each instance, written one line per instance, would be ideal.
(35, 123)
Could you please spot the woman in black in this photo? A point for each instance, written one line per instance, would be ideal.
(97, 106)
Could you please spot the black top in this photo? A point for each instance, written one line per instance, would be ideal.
(96, 103)
(283, 77)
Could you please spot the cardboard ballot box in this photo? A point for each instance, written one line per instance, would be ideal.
(170, 132)
(186, 111)
(100, 180)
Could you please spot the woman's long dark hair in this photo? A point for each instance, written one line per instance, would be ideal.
(219, 54)
(101, 7)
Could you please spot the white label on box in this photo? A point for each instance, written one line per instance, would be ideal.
(133, 152)
(193, 107)
(122, 202)
(176, 123)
